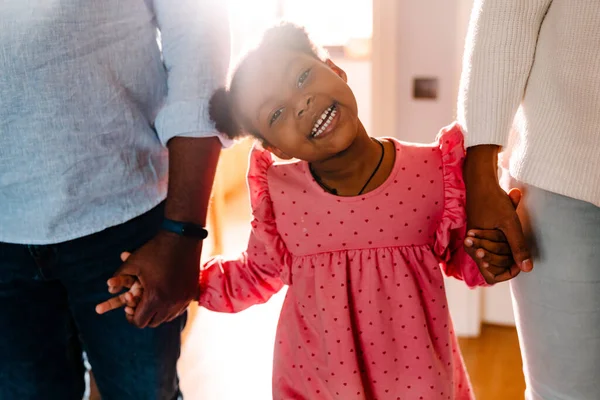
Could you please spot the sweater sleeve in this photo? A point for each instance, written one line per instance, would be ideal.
(499, 54)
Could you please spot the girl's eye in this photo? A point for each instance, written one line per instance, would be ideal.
(303, 77)
(275, 115)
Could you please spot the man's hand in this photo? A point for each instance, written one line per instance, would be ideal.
(167, 268)
(490, 207)
(168, 265)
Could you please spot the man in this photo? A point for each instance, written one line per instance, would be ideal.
(98, 115)
(541, 57)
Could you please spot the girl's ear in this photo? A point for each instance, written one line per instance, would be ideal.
(340, 72)
(276, 151)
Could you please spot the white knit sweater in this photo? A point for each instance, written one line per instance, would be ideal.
(538, 60)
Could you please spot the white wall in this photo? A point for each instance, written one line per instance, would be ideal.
(430, 34)
(497, 305)
(359, 79)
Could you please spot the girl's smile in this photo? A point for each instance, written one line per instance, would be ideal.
(326, 123)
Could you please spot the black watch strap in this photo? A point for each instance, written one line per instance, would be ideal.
(187, 229)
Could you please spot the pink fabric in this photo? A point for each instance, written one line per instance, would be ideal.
(366, 315)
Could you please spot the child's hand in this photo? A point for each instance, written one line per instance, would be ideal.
(129, 299)
(492, 254)
(491, 251)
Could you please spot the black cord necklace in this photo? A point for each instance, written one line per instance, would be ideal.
(334, 191)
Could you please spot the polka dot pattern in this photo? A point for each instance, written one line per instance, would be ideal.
(366, 315)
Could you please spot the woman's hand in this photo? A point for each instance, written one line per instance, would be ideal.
(490, 207)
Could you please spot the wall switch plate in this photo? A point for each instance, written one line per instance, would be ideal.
(425, 88)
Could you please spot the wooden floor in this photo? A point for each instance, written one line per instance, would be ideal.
(494, 364)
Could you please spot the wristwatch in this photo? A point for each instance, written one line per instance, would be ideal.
(186, 229)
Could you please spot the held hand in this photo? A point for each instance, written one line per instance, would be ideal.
(492, 254)
(129, 299)
(491, 250)
(167, 268)
(489, 207)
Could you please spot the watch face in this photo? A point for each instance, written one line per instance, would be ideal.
(193, 230)
(187, 230)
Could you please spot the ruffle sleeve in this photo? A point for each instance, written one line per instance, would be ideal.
(232, 285)
(264, 226)
(451, 231)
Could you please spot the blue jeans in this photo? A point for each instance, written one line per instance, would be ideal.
(47, 318)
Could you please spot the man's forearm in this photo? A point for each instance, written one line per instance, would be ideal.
(192, 167)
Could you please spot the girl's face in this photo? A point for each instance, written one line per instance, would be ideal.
(301, 106)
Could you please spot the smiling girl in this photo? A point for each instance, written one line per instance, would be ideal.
(359, 228)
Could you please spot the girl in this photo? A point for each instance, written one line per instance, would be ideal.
(357, 227)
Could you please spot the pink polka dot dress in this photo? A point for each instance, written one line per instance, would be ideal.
(365, 316)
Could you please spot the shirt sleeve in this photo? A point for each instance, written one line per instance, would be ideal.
(499, 54)
(194, 36)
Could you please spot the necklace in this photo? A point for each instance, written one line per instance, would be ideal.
(334, 191)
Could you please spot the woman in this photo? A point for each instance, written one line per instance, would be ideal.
(538, 60)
